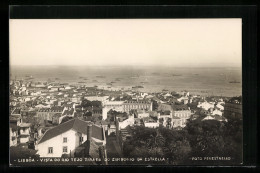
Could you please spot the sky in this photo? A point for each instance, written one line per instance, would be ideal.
(118, 42)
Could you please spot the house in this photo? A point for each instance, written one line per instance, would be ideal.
(13, 135)
(25, 131)
(183, 112)
(214, 117)
(16, 112)
(48, 113)
(69, 112)
(233, 108)
(43, 106)
(55, 118)
(54, 88)
(216, 112)
(102, 123)
(97, 98)
(96, 111)
(122, 123)
(164, 107)
(75, 99)
(151, 123)
(177, 122)
(111, 128)
(206, 105)
(67, 137)
(183, 99)
(142, 114)
(15, 120)
(139, 105)
(219, 106)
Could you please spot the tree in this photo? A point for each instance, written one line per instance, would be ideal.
(212, 137)
(96, 104)
(88, 114)
(22, 153)
(155, 143)
(86, 103)
(154, 105)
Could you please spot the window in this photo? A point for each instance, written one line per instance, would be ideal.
(64, 140)
(50, 150)
(65, 149)
(81, 139)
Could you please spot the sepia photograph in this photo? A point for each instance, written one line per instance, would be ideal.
(125, 92)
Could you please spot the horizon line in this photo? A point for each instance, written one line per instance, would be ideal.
(208, 65)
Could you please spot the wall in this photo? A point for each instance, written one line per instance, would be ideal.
(142, 115)
(164, 107)
(182, 114)
(232, 110)
(13, 137)
(25, 131)
(57, 144)
(151, 125)
(129, 121)
(24, 139)
(176, 122)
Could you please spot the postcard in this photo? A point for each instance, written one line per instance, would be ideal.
(126, 92)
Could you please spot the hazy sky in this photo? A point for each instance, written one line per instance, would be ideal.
(171, 42)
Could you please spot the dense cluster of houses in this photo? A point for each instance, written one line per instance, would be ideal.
(38, 112)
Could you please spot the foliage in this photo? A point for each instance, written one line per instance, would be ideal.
(22, 153)
(96, 104)
(199, 138)
(154, 105)
(211, 138)
(88, 114)
(86, 103)
(160, 142)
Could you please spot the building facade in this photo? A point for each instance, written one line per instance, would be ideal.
(66, 137)
(233, 110)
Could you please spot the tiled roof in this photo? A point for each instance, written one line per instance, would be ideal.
(14, 118)
(16, 111)
(101, 122)
(180, 107)
(174, 117)
(75, 124)
(25, 125)
(13, 126)
(57, 115)
(68, 112)
(237, 100)
(97, 132)
(57, 108)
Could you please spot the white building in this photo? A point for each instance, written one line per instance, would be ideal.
(66, 137)
(151, 124)
(127, 122)
(206, 105)
(219, 106)
(25, 130)
(97, 98)
(217, 112)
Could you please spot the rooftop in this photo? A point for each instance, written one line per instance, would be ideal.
(179, 107)
(75, 124)
(25, 125)
(236, 100)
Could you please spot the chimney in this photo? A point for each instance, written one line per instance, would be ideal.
(89, 132)
(89, 136)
